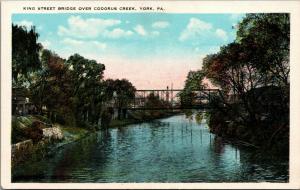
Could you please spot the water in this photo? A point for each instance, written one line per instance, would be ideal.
(174, 149)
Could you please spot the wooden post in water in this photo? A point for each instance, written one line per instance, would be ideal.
(201, 135)
(191, 135)
(172, 134)
(181, 132)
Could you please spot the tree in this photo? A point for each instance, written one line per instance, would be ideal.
(266, 37)
(121, 90)
(153, 101)
(258, 57)
(194, 80)
(86, 76)
(192, 83)
(25, 54)
(234, 75)
(51, 85)
(254, 69)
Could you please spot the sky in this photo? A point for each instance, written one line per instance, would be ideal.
(152, 51)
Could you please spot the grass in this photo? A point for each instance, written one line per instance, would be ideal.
(73, 133)
(21, 124)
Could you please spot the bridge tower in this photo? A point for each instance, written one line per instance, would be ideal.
(167, 94)
(172, 94)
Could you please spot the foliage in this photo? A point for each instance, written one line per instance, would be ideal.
(68, 91)
(17, 132)
(86, 88)
(198, 117)
(153, 101)
(25, 54)
(252, 74)
(192, 83)
(122, 92)
(259, 57)
(28, 127)
(266, 39)
(51, 85)
(34, 132)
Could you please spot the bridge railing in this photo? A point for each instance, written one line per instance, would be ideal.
(171, 99)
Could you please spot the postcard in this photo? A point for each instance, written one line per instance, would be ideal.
(150, 94)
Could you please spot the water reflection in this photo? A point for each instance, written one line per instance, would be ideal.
(189, 115)
(175, 149)
(199, 117)
(218, 145)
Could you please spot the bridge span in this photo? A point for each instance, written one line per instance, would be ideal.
(170, 99)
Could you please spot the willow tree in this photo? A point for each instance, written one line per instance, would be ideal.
(25, 54)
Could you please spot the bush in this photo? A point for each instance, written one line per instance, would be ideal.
(17, 132)
(60, 119)
(35, 132)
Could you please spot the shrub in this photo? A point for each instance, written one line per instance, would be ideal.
(35, 132)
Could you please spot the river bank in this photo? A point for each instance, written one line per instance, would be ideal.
(173, 149)
(31, 142)
(263, 136)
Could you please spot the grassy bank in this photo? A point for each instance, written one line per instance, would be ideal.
(29, 143)
(31, 126)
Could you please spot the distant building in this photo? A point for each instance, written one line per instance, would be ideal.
(20, 102)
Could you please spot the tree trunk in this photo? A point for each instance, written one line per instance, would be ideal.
(119, 113)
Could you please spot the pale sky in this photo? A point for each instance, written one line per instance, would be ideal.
(150, 50)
